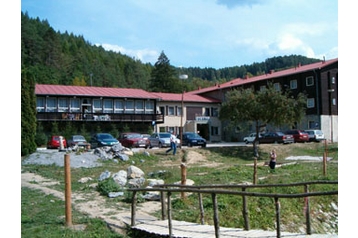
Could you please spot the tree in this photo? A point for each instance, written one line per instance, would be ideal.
(269, 106)
(163, 77)
(28, 113)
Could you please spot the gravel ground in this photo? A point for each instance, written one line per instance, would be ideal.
(49, 157)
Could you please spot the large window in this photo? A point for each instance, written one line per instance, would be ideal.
(149, 107)
(62, 105)
(51, 105)
(107, 105)
(171, 111)
(277, 86)
(40, 104)
(97, 105)
(214, 112)
(129, 106)
(179, 111)
(139, 106)
(75, 105)
(118, 106)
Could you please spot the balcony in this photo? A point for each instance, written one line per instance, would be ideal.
(95, 117)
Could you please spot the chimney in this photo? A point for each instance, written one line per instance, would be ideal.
(272, 71)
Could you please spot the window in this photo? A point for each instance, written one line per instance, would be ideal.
(40, 104)
(107, 105)
(118, 106)
(74, 105)
(179, 111)
(333, 80)
(333, 101)
(214, 112)
(293, 84)
(149, 107)
(310, 103)
(51, 105)
(170, 111)
(139, 106)
(309, 81)
(62, 105)
(262, 88)
(277, 86)
(129, 106)
(207, 111)
(214, 130)
(97, 105)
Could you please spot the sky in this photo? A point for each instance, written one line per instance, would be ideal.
(198, 33)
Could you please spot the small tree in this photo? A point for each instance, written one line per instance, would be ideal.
(269, 106)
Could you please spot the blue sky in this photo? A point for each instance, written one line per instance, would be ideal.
(199, 33)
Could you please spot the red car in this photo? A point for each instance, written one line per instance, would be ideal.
(298, 135)
(132, 139)
(54, 142)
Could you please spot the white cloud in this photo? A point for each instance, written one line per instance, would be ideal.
(144, 55)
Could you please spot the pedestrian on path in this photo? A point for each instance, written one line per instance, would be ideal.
(173, 145)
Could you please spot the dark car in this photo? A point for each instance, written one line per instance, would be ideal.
(276, 137)
(298, 135)
(132, 139)
(193, 139)
(78, 140)
(103, 139)
(54, 142)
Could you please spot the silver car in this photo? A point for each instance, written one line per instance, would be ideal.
(161, 139)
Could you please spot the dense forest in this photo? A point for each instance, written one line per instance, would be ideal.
(64, 58)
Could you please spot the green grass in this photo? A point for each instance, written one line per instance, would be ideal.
(232, 168)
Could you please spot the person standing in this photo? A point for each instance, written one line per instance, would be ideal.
(273, 157)
(173, 145)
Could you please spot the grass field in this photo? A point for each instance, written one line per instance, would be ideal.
(42, 216)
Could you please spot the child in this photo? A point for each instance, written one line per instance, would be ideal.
(273, 159)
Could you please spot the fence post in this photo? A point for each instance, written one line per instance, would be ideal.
(170, 214)
(324, 163)
(68, 190)
(183, 178)
(255, 170)
(162, 200)
(201, 208)
(307, 212)
(278, 228)
(216, 216)
(245, 212)
(134, 204)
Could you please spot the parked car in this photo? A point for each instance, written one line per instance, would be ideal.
(132, 139)
(315, 135)
(193, 139)
(298, 135)
(77, 140)
(103, 139)
(276, 137)
(250, 138)
(161, 139)
(54, 142)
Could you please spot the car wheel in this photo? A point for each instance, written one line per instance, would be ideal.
(203, 146)
(189, 144)
(160, 145)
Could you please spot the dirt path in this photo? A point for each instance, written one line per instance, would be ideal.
(92, 204)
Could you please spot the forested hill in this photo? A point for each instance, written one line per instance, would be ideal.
(64, 58)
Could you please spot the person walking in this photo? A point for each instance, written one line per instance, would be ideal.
(173, 145)
(273, 157)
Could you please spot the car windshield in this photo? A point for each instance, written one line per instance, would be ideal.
(79, 138)
(105, 136)
(131, 136)
(279, 133)
(193, 135)
(164, 135)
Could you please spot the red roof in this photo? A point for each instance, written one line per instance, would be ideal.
(187, 97)
(272, 75)
(46, 89)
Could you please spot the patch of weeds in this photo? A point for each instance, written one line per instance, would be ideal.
(108, 185)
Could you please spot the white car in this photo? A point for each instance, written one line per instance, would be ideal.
(315, 135)
(250, 138)
(161, 139)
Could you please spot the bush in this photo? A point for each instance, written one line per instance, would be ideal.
(108, 185)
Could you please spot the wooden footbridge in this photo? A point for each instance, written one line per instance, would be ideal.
(167, 227)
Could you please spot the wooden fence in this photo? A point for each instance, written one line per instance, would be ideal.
(214, 190)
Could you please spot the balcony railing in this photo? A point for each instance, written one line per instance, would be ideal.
(110, 117)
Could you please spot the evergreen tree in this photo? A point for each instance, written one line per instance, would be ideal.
(28, 114)
(163, 77)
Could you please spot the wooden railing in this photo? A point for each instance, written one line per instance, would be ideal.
(214, 190)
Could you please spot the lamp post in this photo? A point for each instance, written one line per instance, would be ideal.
(330, 91)
(182, 77)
